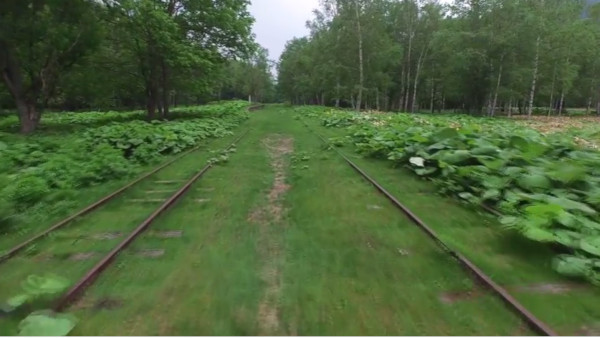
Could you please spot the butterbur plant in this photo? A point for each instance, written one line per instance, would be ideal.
(547, 187)
(42, 322)
(47, 323)
(36, 287)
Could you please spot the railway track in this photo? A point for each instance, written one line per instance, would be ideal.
(89, 275)
(6, 255)
(480, 276)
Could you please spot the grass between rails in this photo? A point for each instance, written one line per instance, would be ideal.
(74, 249)
(509, 259)
(286, 243)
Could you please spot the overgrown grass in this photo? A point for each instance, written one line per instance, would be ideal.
(506, 256)
(54, 254)
(346, 262)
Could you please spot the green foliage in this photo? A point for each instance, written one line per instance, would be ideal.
(35, 287)
(547, 187)
(47, 323)
(43, 174)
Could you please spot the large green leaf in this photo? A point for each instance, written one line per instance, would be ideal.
(16, 301)
(572, 266)
(568, 172)
(491, 162)
(445, 134)
(590, 245)
(47, 323)
(455, 157)
(537, 234)
(534, 182)
(569, 204)
(48, 284)
(486, 150)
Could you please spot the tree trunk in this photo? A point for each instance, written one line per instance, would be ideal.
(419, 63)
(165, 90)
(408, 68)
(510, 107)
(551, 105)
(401, 98)
(377, 105)
(536, 63)
(443, 102)
(151, 102)
(29, 117)
(489, 105)
(562, 101)
(495, 103)
(432, 96)
(360, 58)
(589, 106)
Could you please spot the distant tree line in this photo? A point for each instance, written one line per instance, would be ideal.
(112, 54)
(481, 56)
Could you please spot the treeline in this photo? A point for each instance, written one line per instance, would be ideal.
(480, 56)
(111, 54)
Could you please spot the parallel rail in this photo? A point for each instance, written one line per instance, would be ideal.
(16, 249)
(532, 321)
(89, 278)
(11, 252)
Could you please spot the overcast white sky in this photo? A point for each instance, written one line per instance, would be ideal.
(278, 21)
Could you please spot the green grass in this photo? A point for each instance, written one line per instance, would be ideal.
(119, 215)
(507, 257)
(341, 259)
(337, 256)
(38, 222)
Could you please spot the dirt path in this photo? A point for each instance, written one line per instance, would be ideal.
(267, 217)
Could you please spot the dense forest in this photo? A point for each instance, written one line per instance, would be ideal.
(114, 54)
(481, 56)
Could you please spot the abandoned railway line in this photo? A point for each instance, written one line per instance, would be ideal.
(283, 238)
(178, 185)
(532, 321)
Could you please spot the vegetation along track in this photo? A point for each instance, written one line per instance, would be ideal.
(536, 324)
(285, 240)
(276, 249)
(68, 252)
(16, 249)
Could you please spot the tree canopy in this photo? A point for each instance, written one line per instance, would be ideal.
(107, 54)
(474, 55)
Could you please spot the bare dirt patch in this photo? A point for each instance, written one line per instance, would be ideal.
(460, 296)
(541, 288)
(556, 124)
(168, 234)
(150, 253)
(82, 256)
(266, 217)
(107, 236)
(549, 288)
(589, 330)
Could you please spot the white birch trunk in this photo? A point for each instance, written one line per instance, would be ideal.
(360, 58)
(536, 64)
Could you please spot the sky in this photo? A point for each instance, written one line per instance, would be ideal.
(278, 21)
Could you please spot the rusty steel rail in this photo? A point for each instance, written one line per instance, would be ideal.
(94, 272)
(256, 107)
(532, 321)
(11, 252)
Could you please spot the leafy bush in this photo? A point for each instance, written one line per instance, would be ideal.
(27, 190)
(39, 174)
(547, 186)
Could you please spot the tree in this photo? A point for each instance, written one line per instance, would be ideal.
(41, 40)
